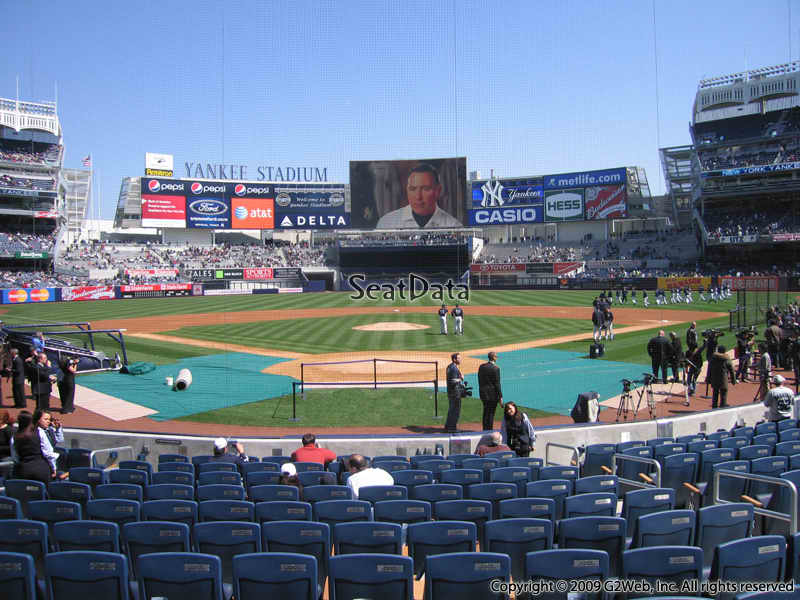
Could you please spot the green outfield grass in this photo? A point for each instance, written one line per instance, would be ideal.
(317, 336)
(350, 407)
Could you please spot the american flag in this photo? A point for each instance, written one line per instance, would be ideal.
(87, 160)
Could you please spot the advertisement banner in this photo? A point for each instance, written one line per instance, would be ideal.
(158, 165)
(757, 170)
(28, 295)
(259, 273)
(211, 274)
(497, 268)
(31, 255)
(252, 213)
(163, 211)
(693, 283)
(585, 179)
(754, 283)
(565, 268)
(287, 272)
(502, 216)
(501, 201)
(208, 212)
(786, 237)
(309, 198)
(606, 202)
(88, 292)
(155, 290)
(733, 239)
(566, 205)
(388, 194)
(151, 272)
(539, 268)
(319, 220)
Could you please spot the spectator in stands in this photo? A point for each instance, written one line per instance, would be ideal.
(37, 342)
(423, 191)
(495, 444)
(362, 475)
(289, 477)
(221, 453)
(311, 452)
(517, 430)
(779, 400)
(29, 450)
(6, 433)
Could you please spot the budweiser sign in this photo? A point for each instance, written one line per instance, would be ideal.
(88, 292)
(607, 202)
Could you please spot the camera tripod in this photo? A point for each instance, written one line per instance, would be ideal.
(626, 400)
(685, 375)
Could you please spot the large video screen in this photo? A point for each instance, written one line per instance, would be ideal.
(408, 194)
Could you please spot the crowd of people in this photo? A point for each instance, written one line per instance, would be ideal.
(404, 239)
(22, 153)
(749, 155)
(751, 220)
(531, 253)
(45, 184)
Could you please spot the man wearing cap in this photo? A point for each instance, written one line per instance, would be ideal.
(221, 454)
(311, 452)
(779, 400)
(458, 316)
(362, 475)
(443, 319)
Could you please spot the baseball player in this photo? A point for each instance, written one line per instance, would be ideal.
(458, 315)
(443, 319)
(608, 324)
(645, 299)
(633, 296)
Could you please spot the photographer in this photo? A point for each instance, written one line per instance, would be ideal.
(676, 357)
(691, 336)
(744, 350)
(764, 372)
(517, 430)
(659, 350)
(455, 391)
(773, 335)
(66, 386)
(720, 371)
(221, 454)
(694, 362)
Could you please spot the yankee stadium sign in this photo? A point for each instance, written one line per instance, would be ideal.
(205, 170)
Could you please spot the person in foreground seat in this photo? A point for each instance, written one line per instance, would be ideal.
(311, 452)
(362, 475)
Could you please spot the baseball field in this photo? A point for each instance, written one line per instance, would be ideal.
(245, 352)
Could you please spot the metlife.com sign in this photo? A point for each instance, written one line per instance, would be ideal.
(584, 179)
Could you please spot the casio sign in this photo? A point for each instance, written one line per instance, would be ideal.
(208, 206)
(154, 185)
(564, 205)
(507, 215)
(199, 188)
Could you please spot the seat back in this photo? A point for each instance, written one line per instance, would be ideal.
(789, 435)
(219, 478)
(318, 493)
(721, 523)
(760, 558)
(765, 439)
(533, 508)
(122, 491)
(558, 472)
(170, 458)
(146, 537)
(26, 537)
(433, 492)
(767, 427)
(371, 576)
(667, 528)
(301, 537)
(789, 448)
(461, 476)
(484, 465)
(465, 574)
(367, 537)
(674, 564)
(476, 511)
(133, 476)
(402, 511)
(10, 508)
(596, 457)
(216, 467)
(302, 466)
(771, 466)
(493, 492)
(516, 537)
(114, 509)
(734, 443)
(567, 564)
(312, 478)
(283, 510)
(220, 491)
(87, 574)
(178, 511)
(661, 452)
(17, 576)
(180, 576)
(176, 467)
(622, 446)
(597, 483)
(702, 445)
(438, 537)
(54, 511)
(411, 478)
(718, 435)
(69, 490)
(585, 505)
(226, 539)
(677, 470)
(557, 489)
(688, 439)
(265, 493)
(643, 502)
(169, 491)
(262, 478)
(25, 490)
(226, 510)
(597, 533)
(341, 511)
(730, 488)
(519, 476)
(139, 465)
(100, 536)
(628, 469)
(755, 451)
(275, 575)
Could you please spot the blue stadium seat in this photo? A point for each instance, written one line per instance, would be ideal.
(439, 537)
(25, 490)
(216, 467)
(789, 435)
(26, 537)
(754, 451)
(146, 537)
(517, 537)
(180, 576)
(622, 446)
(392, 465)
(719, 524)
(412, 478)
(85, 574)
(312, 478)
(688, 439)
(702, 445)
(566, 564)
(283, 510)
(262, 478)
(382, 576)
(332, 512)
(586, 505)
(265, 493)
(301, 537)
(376, 493)
(519, 476)
(661, 451)
(302, 467)
(476, 511)
(539, 508)
(402, 511)
(793, 555)
(178, 511)
(169, 491)
(225, 540)
(139, 465)
(54, 511)
(114, 510)
(133, 476)
(493, 492)
(767, 427)
(770, 466)
(10, 508)
(219, 478)
(534, 464)
(718, 435)
(794, 462)
(557, 489)
(99, 536)
(789, 448)
(629, 469)
(201, 459)
(666, 528)
(465, 575)
(169, 458)
(69, 490)
(503, 456)
(220, 491)
(734, 443)
(658, 441)
(597, 533)
(319, 493)
(122, 491)
(414, 461)
(730, 488)
(367, 537)
(177, 467)
(746, 432)
(558, 472)
(597, 483)
(761, 558)
(249, 468)
(643, 502)
(437, 467)
(433, 492)
(461, 476)
(675, 564)
(596, 457)
(282, 575)
(226, 510)
(390, 457)
(765, 439)
(483, 464)
(17, 576)
(278, 460)
(788, 424)
(78, 457)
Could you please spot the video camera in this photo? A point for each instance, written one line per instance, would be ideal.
(746, 333)
(626, 385)
(466, 390)
(712, 334)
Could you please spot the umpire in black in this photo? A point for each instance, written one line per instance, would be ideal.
(660, 351)
(490, 390)
(455, 383)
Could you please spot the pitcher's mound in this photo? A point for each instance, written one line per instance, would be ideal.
(391, 326)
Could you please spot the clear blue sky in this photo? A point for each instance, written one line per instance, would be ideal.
(521, 87)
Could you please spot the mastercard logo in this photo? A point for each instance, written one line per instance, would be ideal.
(17, 295)
(41, 295)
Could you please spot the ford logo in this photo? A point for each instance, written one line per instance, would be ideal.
(209, 206)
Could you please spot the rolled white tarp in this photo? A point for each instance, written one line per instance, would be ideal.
(183, 380)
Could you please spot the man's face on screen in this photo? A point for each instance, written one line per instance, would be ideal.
(423, 193)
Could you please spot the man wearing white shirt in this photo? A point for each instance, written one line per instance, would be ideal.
(43, 422)
(423, 190)
(361, 475)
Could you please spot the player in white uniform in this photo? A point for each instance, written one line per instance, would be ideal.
(458, 315)
(443, 319)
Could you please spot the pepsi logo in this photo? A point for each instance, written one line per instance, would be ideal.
(240, 189)
(197, 188)
(241, 212)
(153, 185)
(208, 206)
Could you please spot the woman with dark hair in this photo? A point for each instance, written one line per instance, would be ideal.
(517, 430)
(28, 447)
